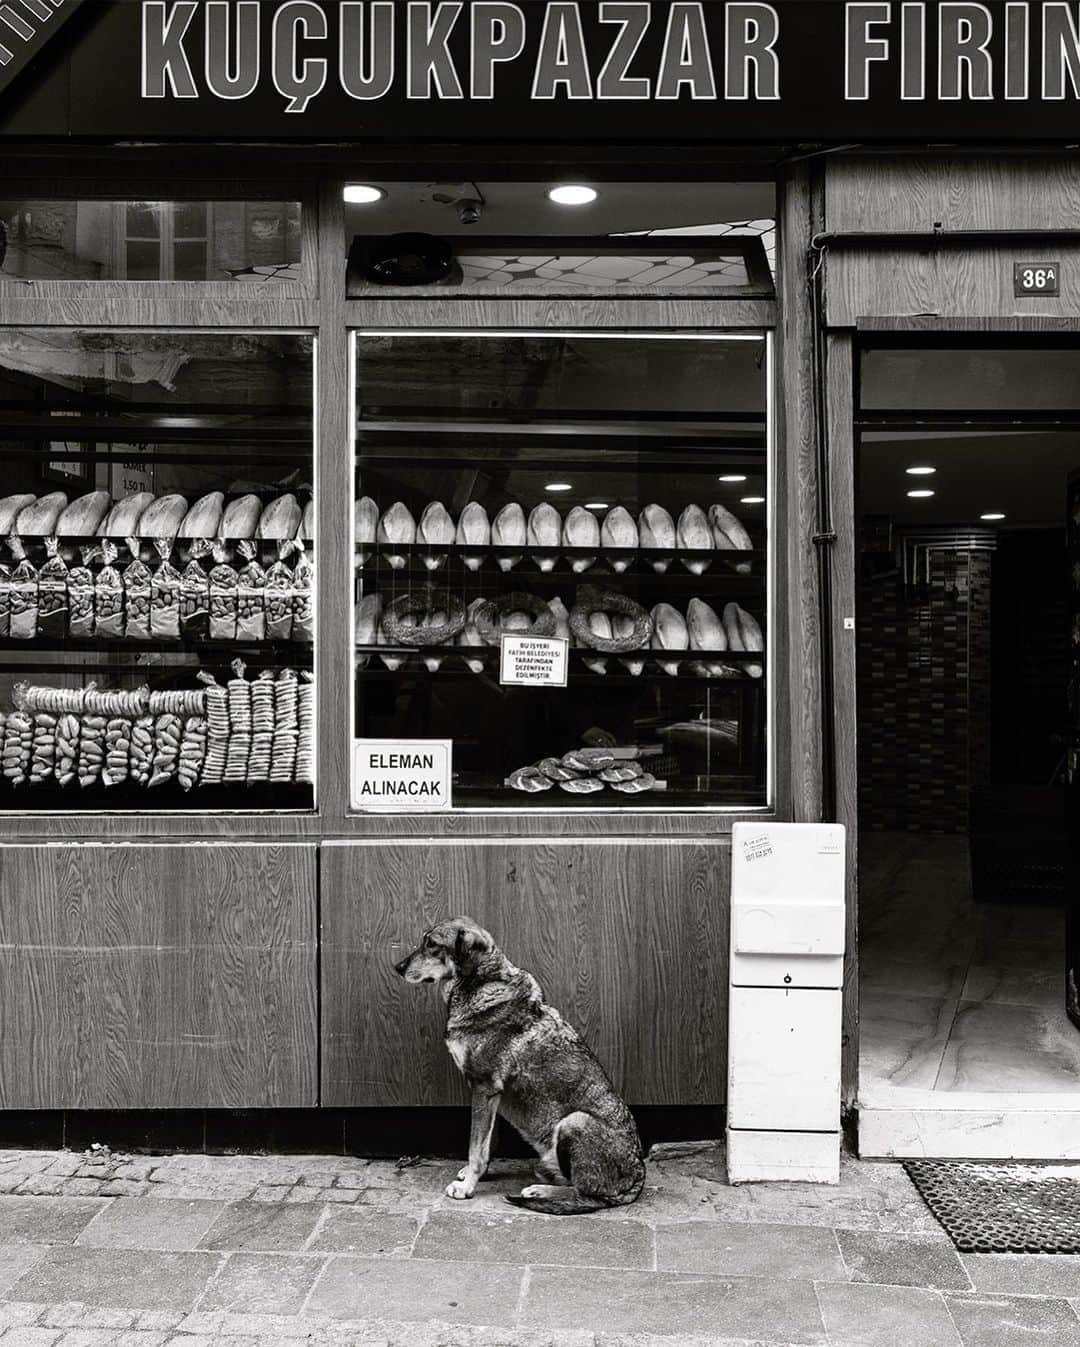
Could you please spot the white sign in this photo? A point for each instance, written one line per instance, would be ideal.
(533, 661)
(402, 774)
(130, 477)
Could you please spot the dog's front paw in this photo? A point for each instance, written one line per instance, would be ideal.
(462, 1187)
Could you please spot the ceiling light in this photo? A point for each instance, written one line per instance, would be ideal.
(921, 472)
(363, 194)
(991, 518)
(558, 486)
(597, 505)
(573, 194)
(752, 500)
(732, 477)
(920, 495)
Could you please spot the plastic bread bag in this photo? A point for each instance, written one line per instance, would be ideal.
(304, 597)
(136, 595)
(53, 592)
(278, 603)
(81, 595)
(165, 595)
(109, 595)
(195, 594)
(5, 600)
(23, 613)
(250, 596)
(223, 596)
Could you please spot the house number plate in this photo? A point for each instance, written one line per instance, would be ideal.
(1036, 279)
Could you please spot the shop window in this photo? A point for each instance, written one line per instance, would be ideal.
(157, 571)
(561, 570)
(256, 241)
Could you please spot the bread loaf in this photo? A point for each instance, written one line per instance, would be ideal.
(473, 530)
(10, 507)
(163, 518)
(582, 529)
(82, 518)
(729, 535)
(204, 518)
(280, 519)
(123, 519)
(39, 519)
(365, 526)
(545, 531)
(307, 522)
(622, 627)
(669, 633)
(619, 531)
(599, 625)
(562, 618)
(397, 526)
(241, 517)
(509, 530)
(694, 535)
(744, 633)
(470, 636)
(706, 633)
(436, 529)
(656, 531)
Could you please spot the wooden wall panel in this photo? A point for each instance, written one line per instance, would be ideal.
(627, 939)
(157, 976)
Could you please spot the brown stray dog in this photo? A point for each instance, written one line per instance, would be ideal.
(523, 1060)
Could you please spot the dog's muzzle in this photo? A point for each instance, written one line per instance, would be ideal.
(401, 967)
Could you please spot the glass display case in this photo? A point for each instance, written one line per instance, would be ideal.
(562, 564)
(156, 570)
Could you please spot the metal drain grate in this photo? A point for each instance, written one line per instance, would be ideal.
(1002, 1208)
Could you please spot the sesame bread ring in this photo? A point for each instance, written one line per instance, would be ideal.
(416, 604)
(489, 615)
(592, 600)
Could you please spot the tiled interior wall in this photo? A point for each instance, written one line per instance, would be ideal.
(924, 693)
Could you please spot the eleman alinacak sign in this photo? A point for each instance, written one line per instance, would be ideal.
(577, 70)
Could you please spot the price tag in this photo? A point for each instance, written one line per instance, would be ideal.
(406, 775)
(533, 662)
(1036, 280)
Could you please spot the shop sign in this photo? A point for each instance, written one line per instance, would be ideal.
(639, 71)
(25, 27)
(402, 775)
(533, 662)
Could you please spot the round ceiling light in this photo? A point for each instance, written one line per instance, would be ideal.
(921, 472)
(573, 194)
(363, 194)
(920, 495)
(558, 486)
(992, 518)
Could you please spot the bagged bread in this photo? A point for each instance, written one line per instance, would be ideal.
(23, 615)
(303, 597)
(165, 595)
(195, 594)
(109, 595)
(250, 596)
(53, 593)
(5, 602)
(278, 597)
(136, 595)
(223, 597)
(81, 595)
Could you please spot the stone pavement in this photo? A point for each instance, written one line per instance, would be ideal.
(106, 1250)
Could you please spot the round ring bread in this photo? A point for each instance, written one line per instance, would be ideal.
(420, 601)
(609, 601)
(490, 613)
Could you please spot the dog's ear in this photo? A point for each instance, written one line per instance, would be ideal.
(472, 940)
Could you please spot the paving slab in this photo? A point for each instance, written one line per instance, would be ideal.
(865, 1315)
(124, 1278)
(262, 1283)
(46, 1220)
(415, 1289)
(902, 1260)
(535, 1239)
(1026, 1274)
(1013, 1321)
(801, 1253)
(17, 1259)
(265, 1227)
(152, 1223)
(371, 1233)
(674, 1304)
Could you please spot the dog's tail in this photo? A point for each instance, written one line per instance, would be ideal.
(567, 1202)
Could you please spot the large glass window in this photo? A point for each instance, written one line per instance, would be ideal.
(561, 569)
(156, 573)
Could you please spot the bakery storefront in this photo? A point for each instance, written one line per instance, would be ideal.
(455, 458)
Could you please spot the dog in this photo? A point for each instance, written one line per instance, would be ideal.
(522, 1059)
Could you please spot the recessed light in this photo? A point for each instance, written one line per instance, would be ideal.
(920, 495)
(991, 518)
(596, 505)
(573, 194)
(752, 500)
(558, 486)
(921, 472)
(363, 194)
(732, 477)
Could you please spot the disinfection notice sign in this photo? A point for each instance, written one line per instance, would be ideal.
(402, 774)
(533, 662)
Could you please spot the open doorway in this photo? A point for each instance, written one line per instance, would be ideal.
(965, 652)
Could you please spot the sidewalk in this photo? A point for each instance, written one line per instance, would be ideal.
(242, 1251)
